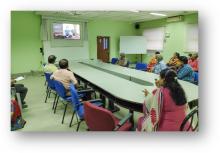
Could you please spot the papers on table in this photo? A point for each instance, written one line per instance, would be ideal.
(19, 78)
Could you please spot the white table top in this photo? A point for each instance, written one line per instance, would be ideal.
(120, 87)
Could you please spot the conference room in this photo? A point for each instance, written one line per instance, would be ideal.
(82, 71)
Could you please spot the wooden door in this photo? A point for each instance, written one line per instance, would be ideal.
(103, 48)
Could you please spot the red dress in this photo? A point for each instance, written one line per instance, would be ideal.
(172, 115)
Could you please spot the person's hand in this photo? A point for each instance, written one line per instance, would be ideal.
(145, 92)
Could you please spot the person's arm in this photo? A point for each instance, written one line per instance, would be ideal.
(73, 79)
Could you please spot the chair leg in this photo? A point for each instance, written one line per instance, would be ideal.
(94, 94)
(72, 119)
(56, 105)
(64, 113)
(46, 96)
(78, 126)
(54, 101)
(49, 93)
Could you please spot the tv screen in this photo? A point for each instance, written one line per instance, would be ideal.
(66, 31)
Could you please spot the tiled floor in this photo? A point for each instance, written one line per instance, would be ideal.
(39, 115)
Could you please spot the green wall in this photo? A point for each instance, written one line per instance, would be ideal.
(25, 38)
(177, 30)
(25, 42)
(114, 29)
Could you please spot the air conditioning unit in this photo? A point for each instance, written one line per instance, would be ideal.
(175, 18)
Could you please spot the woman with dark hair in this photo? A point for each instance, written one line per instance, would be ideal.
(174, 60)
(166, 107)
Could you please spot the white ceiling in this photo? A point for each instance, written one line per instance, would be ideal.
(130, 16)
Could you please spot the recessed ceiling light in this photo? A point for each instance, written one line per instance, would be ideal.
(158, 14)
(135, 11)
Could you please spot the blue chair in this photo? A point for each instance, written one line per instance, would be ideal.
(61, 92)
(141, 66)
(50, 86)
(78, 107)
(196, 77)
(114, 60)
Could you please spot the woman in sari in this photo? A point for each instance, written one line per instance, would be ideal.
(174, 60)
(166, 107)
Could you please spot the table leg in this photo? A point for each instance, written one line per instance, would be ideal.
(132, 118)
(112, 107)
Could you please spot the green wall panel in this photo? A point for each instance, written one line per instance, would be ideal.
(25, 42)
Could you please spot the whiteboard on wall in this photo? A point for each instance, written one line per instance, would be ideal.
(133, 45)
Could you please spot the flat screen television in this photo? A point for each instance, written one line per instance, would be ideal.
(66, 31)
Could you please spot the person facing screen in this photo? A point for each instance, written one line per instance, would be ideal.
(152, 62)
(166, 107)
(160, 64)
(50, 67)
(174, 60)
(194, 62)
(122, 61)
(64, 75)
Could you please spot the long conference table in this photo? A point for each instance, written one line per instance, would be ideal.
(122, 85)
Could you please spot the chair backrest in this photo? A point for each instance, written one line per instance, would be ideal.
(98, 118)
(196, 77)
(191, 121)
(49, 81)
(76, 102)
(141, 66)
(193, 103)
(60, 89)
(114, 60)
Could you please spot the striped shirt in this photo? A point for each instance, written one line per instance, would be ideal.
(185, 73)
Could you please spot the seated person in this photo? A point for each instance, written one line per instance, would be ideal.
(122, 61)
(160, 64)
(17, 122)
(189, 56)
(50, 67)
(22, 90)
(152, 62)
(169, 110)
(184, 71)
(194, 62)
(173, 61)
(64, 75)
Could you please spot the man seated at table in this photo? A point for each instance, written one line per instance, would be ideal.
(160, 64)
(50, 67)
(122, 61)
(64, 75)
(194, 62)
(185, 71)
(153, 62)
